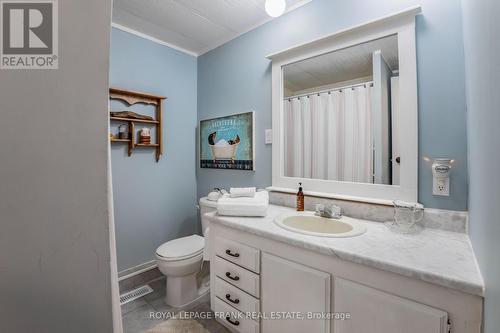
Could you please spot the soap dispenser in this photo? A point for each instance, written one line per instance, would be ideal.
(300, 199)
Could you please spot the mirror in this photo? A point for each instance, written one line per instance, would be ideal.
(345, 113)
(341, 115)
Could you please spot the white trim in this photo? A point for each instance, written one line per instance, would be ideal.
(411, 11)
(136, 270)
(401, 24)
(115, 288)
(152, 39)
(255, 26)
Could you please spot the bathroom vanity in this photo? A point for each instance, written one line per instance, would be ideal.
(266, 279)
(350, 134)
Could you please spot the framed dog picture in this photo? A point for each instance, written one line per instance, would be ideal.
(228, 142)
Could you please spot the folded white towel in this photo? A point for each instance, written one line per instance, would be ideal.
(214, 196)
(256, 206)
(236, 192)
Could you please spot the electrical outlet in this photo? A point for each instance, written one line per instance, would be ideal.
(441, 187)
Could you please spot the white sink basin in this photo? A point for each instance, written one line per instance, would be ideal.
(309, 224)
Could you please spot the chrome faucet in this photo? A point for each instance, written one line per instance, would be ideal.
(328, 211)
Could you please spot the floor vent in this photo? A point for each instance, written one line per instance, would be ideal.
(134, 294)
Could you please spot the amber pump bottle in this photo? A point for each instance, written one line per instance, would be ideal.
(300, 199)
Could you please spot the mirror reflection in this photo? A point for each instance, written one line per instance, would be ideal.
(341, 115)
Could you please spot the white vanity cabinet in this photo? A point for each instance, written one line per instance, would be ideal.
(235, 285)
(265, 283)
(371, 310)
(290, 289)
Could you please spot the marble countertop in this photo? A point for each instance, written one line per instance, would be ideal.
(440, 257)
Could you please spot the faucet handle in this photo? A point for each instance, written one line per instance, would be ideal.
(335, 211)
(319, 208)
(329, 211)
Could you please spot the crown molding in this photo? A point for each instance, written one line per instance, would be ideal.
(152, 39)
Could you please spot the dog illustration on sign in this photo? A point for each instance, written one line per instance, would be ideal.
(222, 149)
(227, 142)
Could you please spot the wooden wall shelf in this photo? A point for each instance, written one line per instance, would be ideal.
(144, 145)
(134, 97)
(135, 120)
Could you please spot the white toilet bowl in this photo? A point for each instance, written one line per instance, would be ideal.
(180, 260)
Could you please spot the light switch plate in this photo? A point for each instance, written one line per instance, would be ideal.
(269, 136)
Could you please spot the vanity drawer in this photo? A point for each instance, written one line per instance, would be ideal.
(240, 254)
(237, 276)
(234, 319)
(235, 297)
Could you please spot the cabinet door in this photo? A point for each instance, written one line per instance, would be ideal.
(289, 288)
(375, 311)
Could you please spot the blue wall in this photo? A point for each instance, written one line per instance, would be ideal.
(482, 55)
(154, 202)
(236, 77)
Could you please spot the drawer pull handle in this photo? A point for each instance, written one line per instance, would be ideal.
(234, 278)
(235, 301)
(235, 323)
(236, 255)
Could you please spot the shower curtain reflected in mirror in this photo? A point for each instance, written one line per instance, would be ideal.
(328, 135)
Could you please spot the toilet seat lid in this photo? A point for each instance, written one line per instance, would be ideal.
(181, 247)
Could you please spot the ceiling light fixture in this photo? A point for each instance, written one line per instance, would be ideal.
(275, 8)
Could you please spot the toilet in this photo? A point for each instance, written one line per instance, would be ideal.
(180, 261)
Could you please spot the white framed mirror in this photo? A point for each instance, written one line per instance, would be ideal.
(345, 113)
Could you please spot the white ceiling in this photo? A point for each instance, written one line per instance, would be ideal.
(194, 26)
(340, 66)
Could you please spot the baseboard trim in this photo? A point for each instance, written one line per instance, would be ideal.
(136, 270)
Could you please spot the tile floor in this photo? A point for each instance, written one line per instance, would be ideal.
(136, 314)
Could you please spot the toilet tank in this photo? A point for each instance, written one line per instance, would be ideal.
(206, 206)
